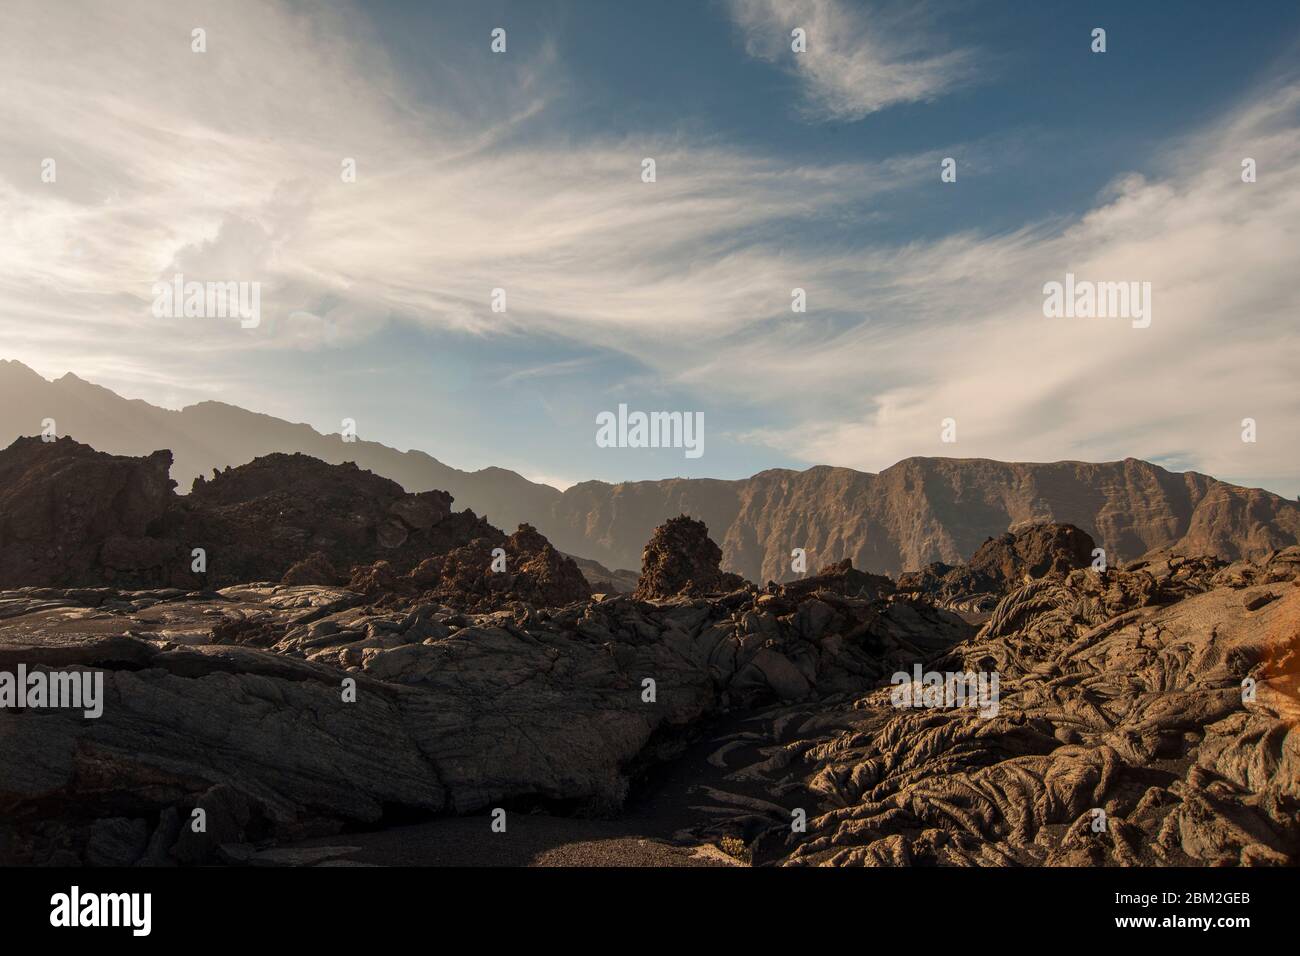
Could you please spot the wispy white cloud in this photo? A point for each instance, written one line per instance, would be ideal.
(857, 59)
(226, 165)
(967, 338)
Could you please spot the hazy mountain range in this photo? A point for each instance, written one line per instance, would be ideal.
(912, 513)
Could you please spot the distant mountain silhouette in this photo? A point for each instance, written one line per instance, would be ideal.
(911, 514)
(213, 434)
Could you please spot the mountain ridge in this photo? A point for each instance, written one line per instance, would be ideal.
(915, 512)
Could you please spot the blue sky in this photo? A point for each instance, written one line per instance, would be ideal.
(775, 170)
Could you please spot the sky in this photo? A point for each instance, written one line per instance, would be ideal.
(774, 170)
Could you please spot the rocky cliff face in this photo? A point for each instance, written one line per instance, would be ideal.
(924, 510)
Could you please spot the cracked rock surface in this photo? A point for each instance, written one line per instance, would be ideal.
(1124, 736)
(1145, 715)
(236, 698)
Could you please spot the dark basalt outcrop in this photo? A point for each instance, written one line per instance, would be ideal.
(1001, 563)
(485, 574)
(681, 560)
(258, 520)
(72, 516)
(839, 578)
